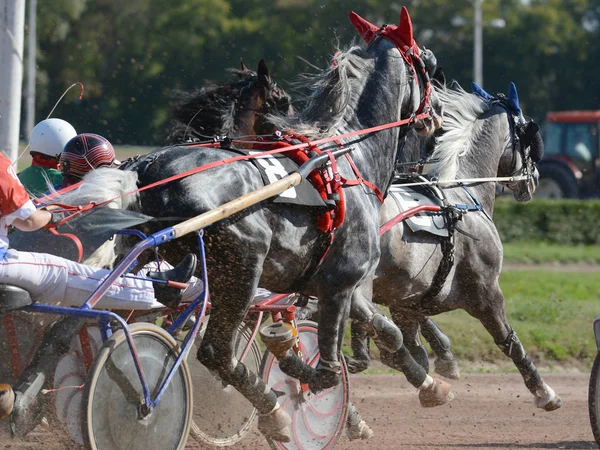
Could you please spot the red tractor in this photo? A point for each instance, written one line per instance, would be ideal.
(571, 164)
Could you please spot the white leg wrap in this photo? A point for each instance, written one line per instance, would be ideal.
(427, 383)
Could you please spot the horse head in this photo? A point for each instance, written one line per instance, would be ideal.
(258, 100)
(422, 61)
(524, 150)
(486, 136)
(235, 108)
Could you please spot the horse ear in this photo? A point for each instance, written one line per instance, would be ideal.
(480, 92)
(263, 73)
(513, 98)
(405, 28)
(243, 66)
(440, 77)
(366, 29)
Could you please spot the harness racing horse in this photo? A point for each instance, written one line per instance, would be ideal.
(483, 136)
(235, 109)
(280, 246)
(239, 106)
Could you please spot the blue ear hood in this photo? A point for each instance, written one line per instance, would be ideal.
(478, 90)
(513, 99)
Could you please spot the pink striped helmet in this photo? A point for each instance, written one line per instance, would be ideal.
(85, 152)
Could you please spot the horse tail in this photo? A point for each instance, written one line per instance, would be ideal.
(105, 184)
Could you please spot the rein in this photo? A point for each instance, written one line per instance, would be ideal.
(303, 145)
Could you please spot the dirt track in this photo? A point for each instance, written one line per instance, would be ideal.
(489, 412)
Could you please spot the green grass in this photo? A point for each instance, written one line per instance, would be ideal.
(541, 252)
(551, 312)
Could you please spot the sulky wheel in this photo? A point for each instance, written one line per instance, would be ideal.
(70, 374)
(594, 399)
(113, 394)
(317, 419)
(222, 416)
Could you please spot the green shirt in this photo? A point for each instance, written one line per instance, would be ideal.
(35, 182)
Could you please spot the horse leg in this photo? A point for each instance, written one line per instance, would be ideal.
(445, 363)
(432, 392)
(356, 427)
(359, 342)
(493, 318)
(216, 354)
(409, 321)
(367, 320)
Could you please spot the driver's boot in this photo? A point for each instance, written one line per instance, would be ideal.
(170, 296)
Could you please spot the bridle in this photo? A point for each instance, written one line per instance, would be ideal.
(522, 131)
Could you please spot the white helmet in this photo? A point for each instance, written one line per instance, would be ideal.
(50, 136)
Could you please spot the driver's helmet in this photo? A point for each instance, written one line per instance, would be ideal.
(85, 152)
(50, 136)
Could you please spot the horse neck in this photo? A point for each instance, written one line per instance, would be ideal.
(488, 143)
(379, 100)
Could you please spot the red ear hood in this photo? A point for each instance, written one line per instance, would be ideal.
(401, 35)
(366, 29)
(404, 30)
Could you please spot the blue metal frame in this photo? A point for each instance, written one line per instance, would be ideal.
(106, 317)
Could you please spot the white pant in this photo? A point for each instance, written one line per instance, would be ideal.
(51, 279)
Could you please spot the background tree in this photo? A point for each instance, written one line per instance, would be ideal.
(130, 55)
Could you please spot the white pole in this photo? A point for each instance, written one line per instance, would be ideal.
(31, 73)
(12, 24)
(477, 42)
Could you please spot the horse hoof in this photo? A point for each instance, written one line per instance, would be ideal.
(547, 399)
(436, 395)
(356, 365)
(359, 431)
(7, 400)
(448, 368)
(275, 425)
(328, 375)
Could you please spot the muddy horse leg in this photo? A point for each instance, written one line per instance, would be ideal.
(445, 363)
(432, 392)
(230, 302)
(368, 321)
(408, 321)
(493, 318)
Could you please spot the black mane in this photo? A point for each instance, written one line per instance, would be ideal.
(203, 113)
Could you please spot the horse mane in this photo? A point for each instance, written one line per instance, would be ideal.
(330, 96)
(206, 112)
(461, 111)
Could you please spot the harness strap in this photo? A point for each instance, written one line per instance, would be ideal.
(361, 180)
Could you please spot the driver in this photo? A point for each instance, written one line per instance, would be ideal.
(51, 279)
(46, 143)
(84, 153)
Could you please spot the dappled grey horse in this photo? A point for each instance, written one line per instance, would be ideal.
(483, 136)
(279, 246)
(237, 107)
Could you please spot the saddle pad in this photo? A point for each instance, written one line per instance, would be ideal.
(429, 222)
(277, 166)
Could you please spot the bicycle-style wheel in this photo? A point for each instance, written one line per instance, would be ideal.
(594, 399)
(317, 419)
(222, 416)
(70, 374)
(113, 394)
